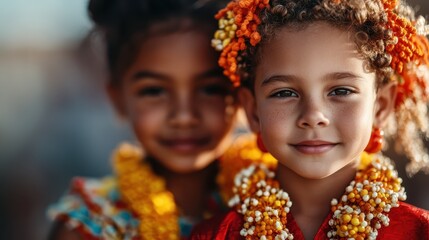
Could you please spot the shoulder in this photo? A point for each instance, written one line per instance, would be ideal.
(89, 193)
(407, 222)
(93, 207)
(241, 154)
(225, 226)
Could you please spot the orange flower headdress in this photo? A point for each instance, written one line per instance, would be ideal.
(238, 24)
(407, 49)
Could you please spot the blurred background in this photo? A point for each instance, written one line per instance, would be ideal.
(55, 119)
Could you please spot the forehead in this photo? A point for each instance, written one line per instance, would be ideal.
(317, 44)
(180, 54)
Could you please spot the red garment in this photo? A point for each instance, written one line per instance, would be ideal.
(406, 222)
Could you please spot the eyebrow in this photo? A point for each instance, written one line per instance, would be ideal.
(215, 72)
(149, 74)
(279, 78)
(342, 75)
(291, 78)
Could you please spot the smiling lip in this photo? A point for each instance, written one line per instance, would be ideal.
(185, 145)
(314, 147)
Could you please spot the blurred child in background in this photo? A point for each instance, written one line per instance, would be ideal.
(165, 81)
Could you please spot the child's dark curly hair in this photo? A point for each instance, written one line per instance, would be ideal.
(365, 19)
(123, 24)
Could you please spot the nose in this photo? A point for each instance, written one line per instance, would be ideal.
(184, 111)
(312, 115)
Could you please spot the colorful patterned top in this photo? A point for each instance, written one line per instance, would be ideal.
(94, 208)
(97, 209)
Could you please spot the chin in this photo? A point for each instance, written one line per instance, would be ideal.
(185, 166)
(315, 173)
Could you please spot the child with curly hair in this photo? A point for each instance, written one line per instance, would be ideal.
(322, 80)
(164, 81)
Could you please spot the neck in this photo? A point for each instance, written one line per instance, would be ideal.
(311, 198)
(190, 190)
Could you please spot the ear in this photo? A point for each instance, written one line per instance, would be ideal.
(115, 95)
(248, 101)
(385, 103)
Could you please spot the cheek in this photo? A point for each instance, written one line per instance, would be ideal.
(276, 122)
(218, 117)
(272, 114)
(355, 120)
(147, 118)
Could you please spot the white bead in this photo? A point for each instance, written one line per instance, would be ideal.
(278, 225)
(276, 212)
(349, 189)
(365, 198)
(377, 225)
(349, 209)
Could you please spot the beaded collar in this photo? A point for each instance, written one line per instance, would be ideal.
(146, 194)
(358, 214)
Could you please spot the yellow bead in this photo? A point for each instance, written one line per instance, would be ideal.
(225, 42)
(355, 221)
(346, 218)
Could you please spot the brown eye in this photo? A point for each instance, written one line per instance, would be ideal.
(216, 89)
(151, 91)
(340, 92)
(284, 94)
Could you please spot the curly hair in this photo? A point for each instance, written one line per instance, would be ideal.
(385, 37)
(366, 19)
(124, 23)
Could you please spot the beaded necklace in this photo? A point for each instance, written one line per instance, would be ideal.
(146, 194)
(358, 214)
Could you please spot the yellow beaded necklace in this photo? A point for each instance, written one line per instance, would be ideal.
(146, 194)
(359, 213)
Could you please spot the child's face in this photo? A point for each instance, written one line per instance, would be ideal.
(178, 102)
(314, 102)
